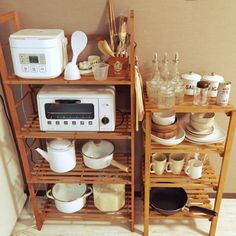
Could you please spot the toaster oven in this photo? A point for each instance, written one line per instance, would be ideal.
(76, 108)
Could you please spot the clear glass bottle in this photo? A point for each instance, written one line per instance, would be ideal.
(177, 81)
(153, 85)
(166, 95)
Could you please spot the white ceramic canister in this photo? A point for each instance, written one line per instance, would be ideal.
(190, 81)
(214, 80)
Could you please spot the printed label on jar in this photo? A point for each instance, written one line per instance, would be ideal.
(222, 98)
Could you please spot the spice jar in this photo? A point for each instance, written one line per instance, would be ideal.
(200, 93)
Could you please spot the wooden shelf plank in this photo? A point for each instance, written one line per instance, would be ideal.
(188, 147)
(123, 130)
(188, 106)
(85, 80)
(41, 173)
(89, 211)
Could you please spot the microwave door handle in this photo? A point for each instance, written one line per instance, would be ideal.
(67, 101)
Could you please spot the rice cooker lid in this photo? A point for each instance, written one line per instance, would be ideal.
(213, 77)
(37, 33)
(191, 76)
(37, 38)
(68, 192)
(60, 144)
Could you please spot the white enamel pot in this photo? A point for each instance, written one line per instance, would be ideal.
(60, 155)
(98, 154)
(69, 198)
(190, 81)
(214, 81)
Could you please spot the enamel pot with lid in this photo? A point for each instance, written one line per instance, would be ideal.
(98, 154)
(190, 81)
(214, 81)
(69, 198)
(60, 155)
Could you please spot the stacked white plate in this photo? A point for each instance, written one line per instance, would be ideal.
(209, 136)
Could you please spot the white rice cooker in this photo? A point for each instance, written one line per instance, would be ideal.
(38, 53)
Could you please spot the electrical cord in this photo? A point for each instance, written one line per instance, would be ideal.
(30, 149)
(122, 117)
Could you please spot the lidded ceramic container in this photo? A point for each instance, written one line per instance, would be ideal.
(214, 80)
(190, 81)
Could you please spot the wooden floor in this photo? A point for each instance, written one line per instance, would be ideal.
(226, 225)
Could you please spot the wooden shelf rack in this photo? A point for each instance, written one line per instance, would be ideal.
(40, 174)
(196, 189)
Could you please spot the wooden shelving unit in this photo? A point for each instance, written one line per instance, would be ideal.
(196, 189)
(39, 174)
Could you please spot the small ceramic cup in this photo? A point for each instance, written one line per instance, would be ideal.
(158, 163)
(194, 169)
(175, 163)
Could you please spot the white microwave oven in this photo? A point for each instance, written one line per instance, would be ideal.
(76, 108)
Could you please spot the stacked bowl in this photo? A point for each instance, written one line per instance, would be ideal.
(202, 122)
(164, 125)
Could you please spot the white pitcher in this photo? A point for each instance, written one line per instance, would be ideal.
(60, 155)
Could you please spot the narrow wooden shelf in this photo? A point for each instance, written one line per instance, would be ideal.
(196, 197)
(89, 211)
(188, 147)
(41, 173)
(208, 179)
(85, 80)
(122, 131)
(188, 106)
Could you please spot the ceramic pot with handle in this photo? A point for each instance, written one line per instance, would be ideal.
(69, 198)
(98, 154)
(60, 155)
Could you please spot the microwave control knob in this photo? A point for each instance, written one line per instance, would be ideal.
(105, 120)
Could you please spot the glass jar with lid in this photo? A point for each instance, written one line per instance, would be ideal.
(200, 93)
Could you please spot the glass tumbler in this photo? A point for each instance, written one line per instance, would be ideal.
(200, 93)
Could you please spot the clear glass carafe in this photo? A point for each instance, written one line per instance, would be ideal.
(166, 95)
(153, 85)
(177, 81)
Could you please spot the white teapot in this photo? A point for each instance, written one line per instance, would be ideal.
(60, 155)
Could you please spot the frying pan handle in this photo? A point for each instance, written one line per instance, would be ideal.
(202, 210)
(120, 166)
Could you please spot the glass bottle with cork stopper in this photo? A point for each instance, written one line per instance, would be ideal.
(177, 81)
(166, 95)
(153, 85)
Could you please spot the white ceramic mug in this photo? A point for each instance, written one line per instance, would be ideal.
(194, 169)
(158, 163)
(175, 163)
